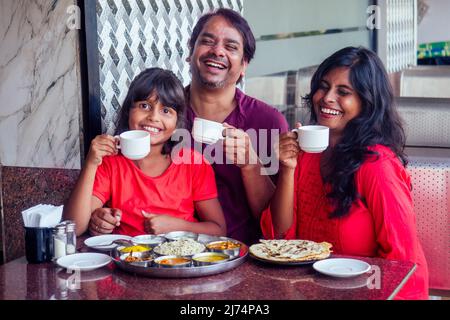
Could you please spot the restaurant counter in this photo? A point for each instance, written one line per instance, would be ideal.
(253, 280)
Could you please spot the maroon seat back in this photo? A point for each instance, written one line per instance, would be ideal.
(22, 188)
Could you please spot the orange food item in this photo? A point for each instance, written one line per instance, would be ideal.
(173, 261)
(224, 245)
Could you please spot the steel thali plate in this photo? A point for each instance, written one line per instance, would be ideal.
(185, 272)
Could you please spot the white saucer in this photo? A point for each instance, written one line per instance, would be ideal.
(97, 241)
(341, 268)
(84, 261)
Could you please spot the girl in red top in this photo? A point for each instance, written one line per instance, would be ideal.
(356, 194)
(155, 194)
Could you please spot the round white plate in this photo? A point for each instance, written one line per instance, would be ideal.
(98, 242)
(84, 261)
(341, 267)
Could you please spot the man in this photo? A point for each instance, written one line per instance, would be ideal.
(221, 47)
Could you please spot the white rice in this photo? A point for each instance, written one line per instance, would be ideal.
(182, 247)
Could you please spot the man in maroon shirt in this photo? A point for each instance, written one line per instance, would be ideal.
(221, 48)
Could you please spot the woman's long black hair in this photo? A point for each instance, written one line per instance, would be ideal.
(166, 86)
(378, 122)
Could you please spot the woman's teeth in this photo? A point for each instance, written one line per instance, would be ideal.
(330, 111)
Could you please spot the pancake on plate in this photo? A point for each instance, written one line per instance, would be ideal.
(290, 250)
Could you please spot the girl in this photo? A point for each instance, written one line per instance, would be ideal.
(356, 194)
(152, 195)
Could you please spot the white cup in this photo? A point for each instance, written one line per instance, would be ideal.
(207, 131)
(313, 139)
(134, 144)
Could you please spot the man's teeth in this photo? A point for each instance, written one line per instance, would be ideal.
(330, 111)
(215, 65)
(152, 129)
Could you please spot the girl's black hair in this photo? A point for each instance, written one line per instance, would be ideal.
(169, 91)
(378, 122)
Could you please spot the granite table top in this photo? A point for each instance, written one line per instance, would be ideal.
(252, 280)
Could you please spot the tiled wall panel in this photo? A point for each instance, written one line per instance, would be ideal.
(137, 34)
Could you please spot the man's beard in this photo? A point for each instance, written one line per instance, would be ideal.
(208, 84)
(212, 85)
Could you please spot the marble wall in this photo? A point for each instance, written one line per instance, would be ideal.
(40, 91)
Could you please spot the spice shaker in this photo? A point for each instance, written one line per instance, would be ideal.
(71, 244)
(59, 241)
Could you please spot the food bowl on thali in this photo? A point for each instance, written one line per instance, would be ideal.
(134, 248)
(183, 247)
(228, 247)
(209, 258)
(139, 259)
(149, 240)
(177, 235)
(172, 261)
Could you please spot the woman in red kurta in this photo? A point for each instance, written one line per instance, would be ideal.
(356, 194)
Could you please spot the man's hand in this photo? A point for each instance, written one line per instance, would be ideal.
(238, 147)
(104, 220)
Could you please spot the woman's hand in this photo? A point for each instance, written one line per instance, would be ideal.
(288, 149)
(103, 145)
(104, 221)
(161, 223)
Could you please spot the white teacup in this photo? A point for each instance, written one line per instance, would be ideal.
(207, 131)
(313, 139)
(134, 144)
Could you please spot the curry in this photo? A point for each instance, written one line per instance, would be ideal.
(173, 261)
(135, 249)
(223, 245)
(211, 258)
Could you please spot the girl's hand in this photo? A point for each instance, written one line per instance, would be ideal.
(288, 149)
(161, 223)
(104, 220)
(103, 145)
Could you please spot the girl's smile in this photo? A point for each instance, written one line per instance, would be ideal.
(152, 116)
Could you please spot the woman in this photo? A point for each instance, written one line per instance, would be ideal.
(356, 194)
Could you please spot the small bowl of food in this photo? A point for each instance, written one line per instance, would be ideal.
(172, 262)
(148, 240)
(182, 248)
(140, 259)
(228, 247)
(134, 248)
(178, 235)
(209, 258)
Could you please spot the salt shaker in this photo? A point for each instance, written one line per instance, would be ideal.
(59, 241)
(71, 244)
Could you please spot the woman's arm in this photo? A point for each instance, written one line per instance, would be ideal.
(282, 204)
(211, 220)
